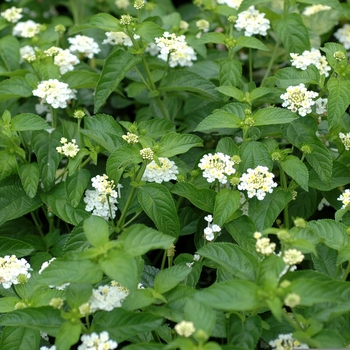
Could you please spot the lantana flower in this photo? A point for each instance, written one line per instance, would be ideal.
(166, 171)
(96, 341)
(343, 36)
(13, 271)
(69, 149)
(12, 15)
(286, 341)
(252, 22)
(231, 3)
(85, 45)
(27, 29)
(344, 198)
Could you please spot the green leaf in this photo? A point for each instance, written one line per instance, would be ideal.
(57, 200)
(202, 198)
(144, 346)
(149, 30)
(231, 91)
(76, 185)
(233, 295)
(29, 175)
(251, 42)
(7, 304)
(272, 116)
(81, 79)
(8, 164)
(122, 324)
(333, 234)
(215, 38)
(182, 80)
(12, 246)
(264, 213)
(244, 333)
(297, 170)
(173, 144)
(9, 52)
(44, 146)
(330, 49)
(344, 255)
(158, 204)
(96, 230)
(103, 21)
(14, 87)
(68, 335)
(226, 203)
(121, 267)
(230, 72)
(332, 3)
(76, 241)
(113, 72)
(103, 129)
(301, 133)
(65, 270)
(43, 318)
(28, 121)
(338, 100)
(253, 154)
(219, 120)
(78, 293)
(156, 128)
(19, 338)
(139, 239)
(325, 261)
(14, 201)
(233, 258)
(169, 278)
(293, 33)
(292, 76)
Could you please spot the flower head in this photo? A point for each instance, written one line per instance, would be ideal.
(13, 271)
(69, 149)
(84, 45)
(12, 14)
(26, 29)
(130, 137)
(147, 153)
(96, 341)
(321, 105)
(165, 171)
(139, 4)
(345, 139)
(299, 99)
(313, 9)
(211, 229)
(293, 256)
(122, 4)
(263, 244)
(185, 328)
(252, 22)
(286, 342)
(65, 60)
(343, 36)
(257, 182)
(292, 300)
(231, 3)
(217, 166)
(344, 198)
(117, 38)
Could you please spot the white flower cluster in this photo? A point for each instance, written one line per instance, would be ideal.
(344, 198)
(292, 257)
(217, 166)
(26, 29)
(185, 328)
(313, 9)
(286, 342)
(146, 153)
(53, 347)
(311, 57)
(102, 201)
(257, 182)
(55, 93)
(130, 137)
(85, 45)
(26, 51)
(117, 38)
(211, 229)
(65, 60)
(12, 14)
(321, 105)
(345, 139)
(203, 25)
(231, 3)
(166, 171)
(122, 4)
(13, 271)
(299, 99)
(252, 22)
(96, 341)
(44, 265)
(69, 149)
(108, 297)
(263, 244)
(175, 49)
(343, 36)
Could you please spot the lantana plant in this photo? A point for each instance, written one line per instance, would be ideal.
(174, 174)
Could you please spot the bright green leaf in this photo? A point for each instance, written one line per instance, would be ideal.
(169, 278)
(29, 175)
(96, 230)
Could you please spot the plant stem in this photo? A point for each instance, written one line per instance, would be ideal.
(346, 273)
(284, 185)
(272, 60)
(164, 259)
(250, 64)
(37, 224)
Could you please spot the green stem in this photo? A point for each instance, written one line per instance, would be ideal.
(272, 60)
(86, 161)
(284, 185)
(164, 259)
(37, 225)
(250, 64)
(294, 324)
(347, 271)
(54, 117)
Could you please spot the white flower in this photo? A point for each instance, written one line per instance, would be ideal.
(323, 203)
(44, 265)
(26, 50)
(117, 38)
(252, 22)
(122, 4)
(26, 29)
(292, 257)
(69, 149)
(216, 166)
(84, 45)
(321, 106)
(263, 244)
(130, 137)
(12, 14)
(211, 229)
(257, 182)
(344, 198)
(185, 328)
(53, 347)
(196, 257)
(311, 10)
(299, 99)
(203, 25)
(292, 300)
(55, 93)
(165, 171)
(96, 341)
(231, 3)
(343, 36)
(107, 297)
(147, 153)
(65, 60)
(175, 49)
(286, 342)
(311, 57)
(345, 139)
(13, 271)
